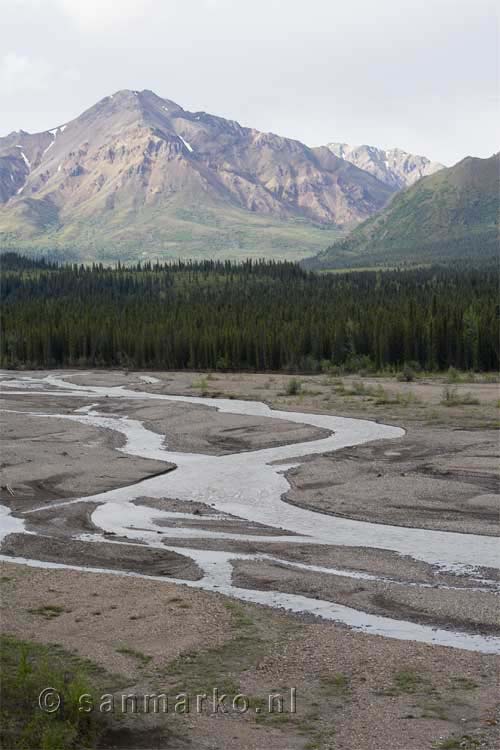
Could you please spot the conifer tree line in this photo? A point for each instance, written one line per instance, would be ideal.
(260, 315)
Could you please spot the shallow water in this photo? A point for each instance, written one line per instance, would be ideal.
(250, 485)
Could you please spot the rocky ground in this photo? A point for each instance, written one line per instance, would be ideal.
(355, 691)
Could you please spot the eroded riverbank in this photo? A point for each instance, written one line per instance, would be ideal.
(246, 485)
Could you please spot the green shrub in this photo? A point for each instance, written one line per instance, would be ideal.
(293, 387)
(407, 375)
(222, 363)
(360, 363)
(453, 376)
(27, 669)
(202, 385)
(451, 397)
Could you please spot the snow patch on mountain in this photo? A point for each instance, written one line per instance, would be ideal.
(187, 145)
(394, 167)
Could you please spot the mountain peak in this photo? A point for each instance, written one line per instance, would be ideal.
(396, 167)
(128, 107)
(144, 96)
(138, 169)
(447, 215)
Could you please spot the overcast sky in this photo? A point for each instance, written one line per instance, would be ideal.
(416, 74)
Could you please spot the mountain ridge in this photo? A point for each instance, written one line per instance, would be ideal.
(136, 169)
(395, 167)
(445, 216)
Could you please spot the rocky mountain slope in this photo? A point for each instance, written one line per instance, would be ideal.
(448, 215)
(139, 174)
(395, 167)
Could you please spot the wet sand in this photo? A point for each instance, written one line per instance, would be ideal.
(436, 477)
(433, 479)
(475, 611)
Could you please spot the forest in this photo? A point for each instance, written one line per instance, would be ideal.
(256, 315)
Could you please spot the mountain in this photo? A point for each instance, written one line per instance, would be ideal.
(138, 175)
(395, 167)
(448, 215)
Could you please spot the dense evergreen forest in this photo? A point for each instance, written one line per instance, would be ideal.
(256, 315)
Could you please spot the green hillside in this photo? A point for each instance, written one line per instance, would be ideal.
(183, 231)
(448, 215)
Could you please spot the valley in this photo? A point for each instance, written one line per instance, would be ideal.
(301, 551)
(249, 376)
(138, 177)
(448, 216)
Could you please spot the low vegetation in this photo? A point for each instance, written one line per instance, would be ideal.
(27, 668)
(141, 658)
(294, 387)
(48, 612)
(408, 681)
(198, 672)
(452, 397)
(465, 742)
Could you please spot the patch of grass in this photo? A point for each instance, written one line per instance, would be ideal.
(434, 710)
(453, 376)
(451, 397)
(359, 388)
(275, 718)
(407, 681)
(339, 386)
(308, 723)
(321, 739)
(383, 397)
(465, 742)
(336, 684)
(380, 395)
(28, 668)
(450, 743)
(201, 385)
(463, 683)
(456, 376)
(201, 671)
(49, 611)
(490, 377)
(127, 651)
(294, 387)
(408, 398)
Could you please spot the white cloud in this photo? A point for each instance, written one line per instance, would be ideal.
(86, 15)
(95, 15)
(18, 73)
(395, 72)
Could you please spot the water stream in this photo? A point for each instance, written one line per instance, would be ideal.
(250, 486)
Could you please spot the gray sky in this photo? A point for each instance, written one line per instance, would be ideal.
(416, 74)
